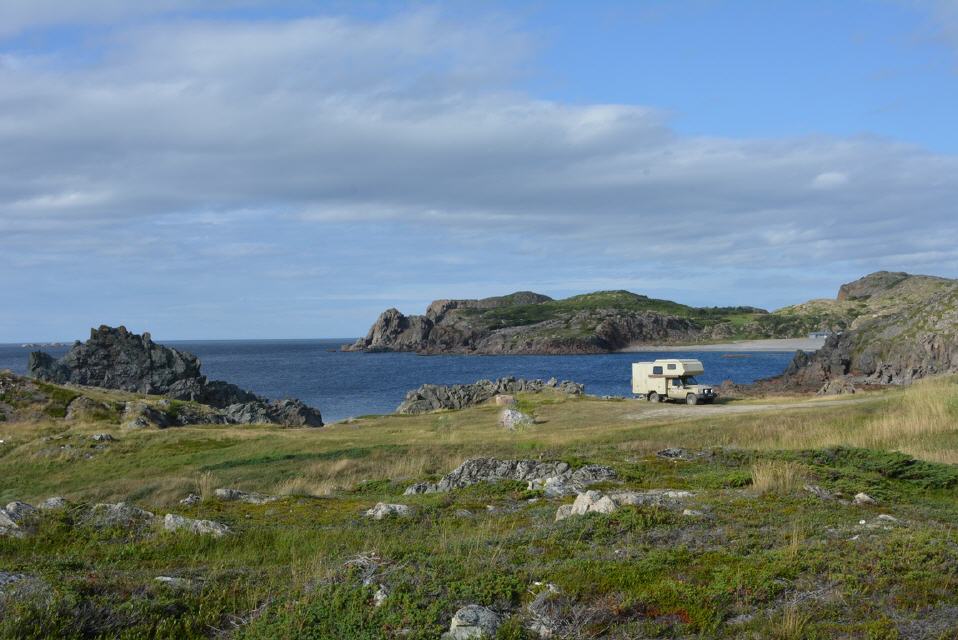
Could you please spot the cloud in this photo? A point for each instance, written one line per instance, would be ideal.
(353, 148)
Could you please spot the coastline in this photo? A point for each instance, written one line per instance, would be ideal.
(775, 344)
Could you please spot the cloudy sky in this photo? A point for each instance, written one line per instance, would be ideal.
(225, 169)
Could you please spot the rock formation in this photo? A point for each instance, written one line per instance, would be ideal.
(114, 358)
(431, 397)
(905, 328)
(555, 478)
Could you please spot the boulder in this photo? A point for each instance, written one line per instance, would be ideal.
(53, 504)
(15, 519)
(173, 522)
(556, 478)
(384, 510)
(473, 622)
(512, 419)
(598, 502)
(120, 515)
(863, 498)
(139, 414)
(836, 387)
(431, 397)
(190, 500)
(18, 511)
(235, 495)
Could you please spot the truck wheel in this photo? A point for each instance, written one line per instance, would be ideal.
(654, 397)
(691, 399)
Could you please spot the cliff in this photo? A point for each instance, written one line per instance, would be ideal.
(903, 327)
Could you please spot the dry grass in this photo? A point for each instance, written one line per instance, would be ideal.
(776, 476)
(791, 624)
(206, 485)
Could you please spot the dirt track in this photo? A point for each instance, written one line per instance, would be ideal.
(669, 410)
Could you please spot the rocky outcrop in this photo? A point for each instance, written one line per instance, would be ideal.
(473, 622)
(431, 397)
(556, 478)
(383, 510)
(174, 523)
(598, 502)
(908, 330)
(235, 495)
(122, 515)
(526, 323)
(114, 358)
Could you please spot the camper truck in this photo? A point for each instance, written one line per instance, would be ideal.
(670, 380)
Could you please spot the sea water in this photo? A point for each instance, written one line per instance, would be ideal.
(343, 384)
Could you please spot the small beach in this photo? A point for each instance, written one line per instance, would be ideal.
(787, 344)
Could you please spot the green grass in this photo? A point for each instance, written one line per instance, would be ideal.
(639, 572)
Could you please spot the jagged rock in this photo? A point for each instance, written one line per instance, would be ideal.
(863, 498)
(563, 479)
(54, 503)
(173, 522)
(836, 387)
(235, 495)
(139, 414)
(19, 511)
(512, 419)
(473, 622)
(430, 397)
(15, 519)
(383, 510)
(117, 359)
(190, 500)
(122, 515)
(598, 502)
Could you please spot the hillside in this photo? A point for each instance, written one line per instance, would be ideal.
(903, 327)
(762, 537)
(528, 323)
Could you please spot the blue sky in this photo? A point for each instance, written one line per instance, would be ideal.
(289, 169)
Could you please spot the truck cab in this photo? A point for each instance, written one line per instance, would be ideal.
(671, 379)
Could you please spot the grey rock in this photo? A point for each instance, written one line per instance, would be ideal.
(190, 500)
(174, 582)
(863, 498)
(235, 495)
(173, 522)
(820, 492)
(837, 387)
(598, 502)
(122, 515)
(53, 504)
(84, 408)
(430, 397)
(139, 414)
(384, 510)
(512, 419)
(555, 478)
(19, 512)
(114, 358)
(379, 598)
(473, 622)
(102, 437)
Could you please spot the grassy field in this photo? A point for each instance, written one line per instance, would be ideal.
(760, 557)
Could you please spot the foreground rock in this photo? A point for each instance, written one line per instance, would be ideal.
(431, 397)
(512, 419)
(173, 522)
(114, 358)
(473, 622)
(121, 515)
(15, 519)
(555, 478)
(598, 502)
(383, 510)
(235, 495)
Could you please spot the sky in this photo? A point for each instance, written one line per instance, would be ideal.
(209, 169)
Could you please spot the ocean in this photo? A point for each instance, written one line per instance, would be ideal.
(345, 385)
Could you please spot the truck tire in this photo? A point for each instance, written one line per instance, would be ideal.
(654, 397)
(691, 399)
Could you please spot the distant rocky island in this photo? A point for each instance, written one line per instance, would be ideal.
(601, 322)
(114, 358)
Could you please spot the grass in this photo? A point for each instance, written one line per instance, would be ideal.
(799, 565)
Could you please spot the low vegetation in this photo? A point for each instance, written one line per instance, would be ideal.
(753, 552)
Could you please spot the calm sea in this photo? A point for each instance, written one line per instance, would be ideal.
(353, 384)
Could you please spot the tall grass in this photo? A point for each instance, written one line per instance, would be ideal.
(776, 476)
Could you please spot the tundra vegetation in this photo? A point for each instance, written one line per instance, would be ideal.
(772, 540)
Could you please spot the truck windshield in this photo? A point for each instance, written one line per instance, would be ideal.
(690, 380)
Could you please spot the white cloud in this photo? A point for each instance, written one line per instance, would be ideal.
(829, 180)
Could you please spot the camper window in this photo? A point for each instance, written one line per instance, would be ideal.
(671, 366)
(656, 371)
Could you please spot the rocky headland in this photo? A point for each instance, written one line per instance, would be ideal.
(114, 358)
(902, 327)
(601, 322)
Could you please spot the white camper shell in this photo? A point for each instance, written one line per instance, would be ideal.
(670, 379)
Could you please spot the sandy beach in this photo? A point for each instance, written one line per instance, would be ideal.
(786, 344)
